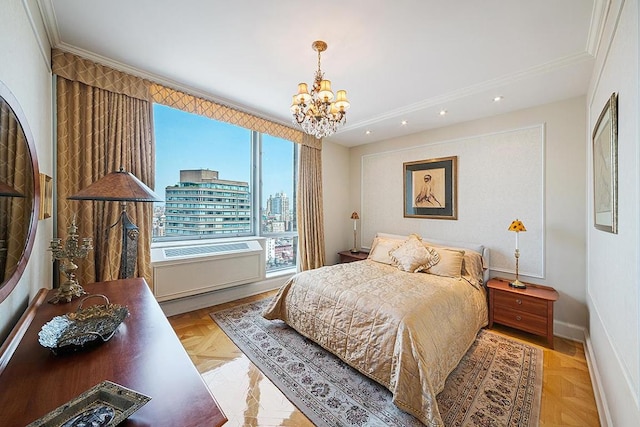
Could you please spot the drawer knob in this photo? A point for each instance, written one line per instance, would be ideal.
(518, 318)
(519, 301)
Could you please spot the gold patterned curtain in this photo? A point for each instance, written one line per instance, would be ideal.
(16, 172)
(309, 205)
(103, 123)
(309, 194)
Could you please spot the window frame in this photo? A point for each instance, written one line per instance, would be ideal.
(256, 196)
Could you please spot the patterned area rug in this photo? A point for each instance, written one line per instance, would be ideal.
(497, 383)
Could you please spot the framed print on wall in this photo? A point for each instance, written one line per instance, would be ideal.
(605, 168)
(430, 188)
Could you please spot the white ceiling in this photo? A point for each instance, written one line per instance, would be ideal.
(398, 60)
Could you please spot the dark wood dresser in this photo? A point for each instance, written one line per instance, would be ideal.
(144, 355)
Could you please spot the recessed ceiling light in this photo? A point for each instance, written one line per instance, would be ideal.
(497, 98)
(443, 112)
(368, 132)
(403, 123)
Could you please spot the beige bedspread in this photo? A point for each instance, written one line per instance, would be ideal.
(407, 331)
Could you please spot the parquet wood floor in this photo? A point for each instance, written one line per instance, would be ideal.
(248, 398)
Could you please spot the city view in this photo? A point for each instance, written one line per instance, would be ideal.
(202, 204)
(203, 173)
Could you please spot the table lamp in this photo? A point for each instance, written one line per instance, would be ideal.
(355, 218)
(121, 186)
(517, 226)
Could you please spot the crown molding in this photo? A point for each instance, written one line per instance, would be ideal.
(598, 18)
(476, 89)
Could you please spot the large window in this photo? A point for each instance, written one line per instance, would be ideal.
(219, 180)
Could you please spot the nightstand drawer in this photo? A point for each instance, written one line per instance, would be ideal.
(521, 320)
(521, 303)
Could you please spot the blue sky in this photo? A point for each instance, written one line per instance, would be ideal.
(190, 141)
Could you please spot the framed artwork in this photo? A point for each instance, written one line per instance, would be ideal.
(430, 188)
(46, 196)
(605, 168)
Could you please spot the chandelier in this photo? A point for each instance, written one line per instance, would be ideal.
(317, 113)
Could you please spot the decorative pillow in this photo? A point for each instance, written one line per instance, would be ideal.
(473, 268)
(450, 264)
(413, 256)
(380, 249)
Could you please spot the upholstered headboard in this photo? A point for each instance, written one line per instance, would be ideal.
(481, 249)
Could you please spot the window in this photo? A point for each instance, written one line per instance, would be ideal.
(221, 180)
(278, 213)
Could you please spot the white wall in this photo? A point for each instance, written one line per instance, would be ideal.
(613, 263)
(563, 163)
(516, 173)
(25, 71)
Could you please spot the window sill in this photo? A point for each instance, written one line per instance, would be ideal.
(281, 273)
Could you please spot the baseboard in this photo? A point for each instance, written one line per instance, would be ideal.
(569, 331)
(196, 302)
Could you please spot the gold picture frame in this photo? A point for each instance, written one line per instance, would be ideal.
(430, 188)
(605, 168)
(46, 196)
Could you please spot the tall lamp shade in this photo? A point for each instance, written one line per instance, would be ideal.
(121, 186)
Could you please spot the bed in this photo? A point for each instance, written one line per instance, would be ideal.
(400, 317)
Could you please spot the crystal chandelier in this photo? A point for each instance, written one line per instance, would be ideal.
(317, 113)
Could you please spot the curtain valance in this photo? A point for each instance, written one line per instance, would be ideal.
(74, 68)
(213, 110)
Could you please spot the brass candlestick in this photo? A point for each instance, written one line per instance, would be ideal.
(67, 252)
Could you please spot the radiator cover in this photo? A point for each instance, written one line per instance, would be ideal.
(183, 270)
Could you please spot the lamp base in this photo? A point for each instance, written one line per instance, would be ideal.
(354, 251)
(517, 284)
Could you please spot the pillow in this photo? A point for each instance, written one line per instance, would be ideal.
(473, 267)
(380, 249)
(450, 264)
(473, 263)
(413, 256)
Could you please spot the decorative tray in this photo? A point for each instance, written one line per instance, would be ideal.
(82, 328)
(106, 404)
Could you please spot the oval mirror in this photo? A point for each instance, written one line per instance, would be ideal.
(19, 196)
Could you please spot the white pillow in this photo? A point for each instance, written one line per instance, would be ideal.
(413, 256)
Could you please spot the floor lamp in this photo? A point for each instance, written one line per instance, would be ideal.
(121, 186)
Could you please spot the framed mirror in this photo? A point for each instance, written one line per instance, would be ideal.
(19, 192)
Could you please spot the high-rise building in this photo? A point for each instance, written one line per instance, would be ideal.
(277, 209)
(202, 204)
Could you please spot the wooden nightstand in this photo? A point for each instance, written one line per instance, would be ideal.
(529, 310)
(348, 256)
